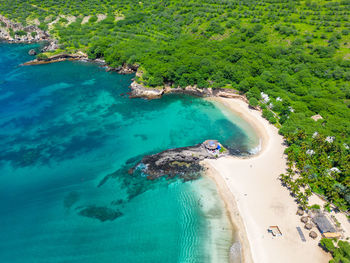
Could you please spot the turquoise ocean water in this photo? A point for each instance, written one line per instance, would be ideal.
(64, 127)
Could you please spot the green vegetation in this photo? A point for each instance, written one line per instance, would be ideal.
(42, 56)
(340, 250)
(253, 102)
(315, 207)
(289, 57)
(222, 149)
(20, 33)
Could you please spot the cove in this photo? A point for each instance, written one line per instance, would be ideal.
(64, 128)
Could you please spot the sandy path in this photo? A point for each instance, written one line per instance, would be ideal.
(256, 199)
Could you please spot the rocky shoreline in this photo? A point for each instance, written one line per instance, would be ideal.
(183, 161)
(81, 56)
(140, 91)
(57, 58)
(32, 34)
(17, 33)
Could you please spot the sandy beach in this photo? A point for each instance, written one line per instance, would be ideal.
(256, 199)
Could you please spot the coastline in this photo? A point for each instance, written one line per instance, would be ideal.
(240, 216)
(232, 211)
(255, 198)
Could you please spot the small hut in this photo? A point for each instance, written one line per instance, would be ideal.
(308, 226)
(326, 228)
(304, 219)
(313, 234)
(212, 146)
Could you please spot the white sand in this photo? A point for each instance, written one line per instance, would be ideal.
(256, 199)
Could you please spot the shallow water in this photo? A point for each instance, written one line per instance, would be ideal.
(64, 127)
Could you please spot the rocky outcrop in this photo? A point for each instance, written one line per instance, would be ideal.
(17, 33)
(57, 58)
(32, 52)
(140, 91)
(52, 45)
(180, 161)
(128, 69)
(125, 69)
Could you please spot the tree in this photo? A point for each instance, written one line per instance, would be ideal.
(327, 245)
(253, 102)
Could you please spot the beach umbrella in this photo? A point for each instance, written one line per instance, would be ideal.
(300, 212)
(313, 234)
(304, 219)
(308, 226)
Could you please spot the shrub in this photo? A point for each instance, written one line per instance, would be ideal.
(93, 19)
(272, 120)
(42, 56)
(12, 33)
(315, 207)
(20, 33)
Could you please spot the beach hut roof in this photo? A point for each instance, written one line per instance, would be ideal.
(308, 226)
(313, 234)
(304, 219)
(211, 144)
(323, 224)
(300, 212)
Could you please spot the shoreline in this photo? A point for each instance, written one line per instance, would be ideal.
(239, 216)
(232, 212)
(255, 198)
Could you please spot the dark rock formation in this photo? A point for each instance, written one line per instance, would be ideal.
(101, 213)
(182, 161)
(57, 58)
(70, 199)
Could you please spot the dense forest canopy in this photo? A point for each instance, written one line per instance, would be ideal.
(291, 58)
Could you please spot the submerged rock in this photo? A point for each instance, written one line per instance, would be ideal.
(32, 52)
(100, 212)
(70, 199)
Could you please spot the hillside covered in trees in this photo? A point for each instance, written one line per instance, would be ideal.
(291, 58)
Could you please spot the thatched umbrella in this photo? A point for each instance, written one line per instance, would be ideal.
(312, 234)
(308, 226)
(300, 212)
(304, 219)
